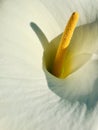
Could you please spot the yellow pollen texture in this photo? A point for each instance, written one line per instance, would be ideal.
(64, 43)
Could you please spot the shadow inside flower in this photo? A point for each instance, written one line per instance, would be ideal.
(65, 88)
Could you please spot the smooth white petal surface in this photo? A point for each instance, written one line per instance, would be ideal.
(26, 103)
(61, 10)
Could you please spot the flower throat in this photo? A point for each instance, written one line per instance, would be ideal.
(58, 63)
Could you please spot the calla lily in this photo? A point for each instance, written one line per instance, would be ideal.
(26, 99)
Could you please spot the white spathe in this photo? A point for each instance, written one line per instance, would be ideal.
(26, 103)
(81, 61)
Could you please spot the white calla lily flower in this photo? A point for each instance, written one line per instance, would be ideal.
(26, 99)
